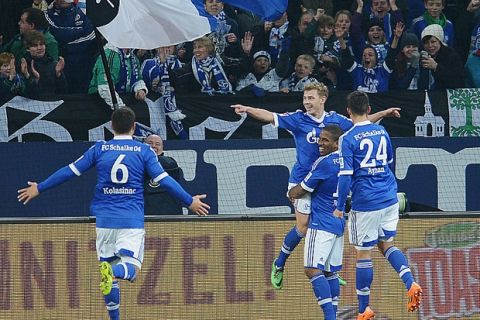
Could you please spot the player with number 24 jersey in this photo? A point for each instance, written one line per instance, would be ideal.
(366, 153)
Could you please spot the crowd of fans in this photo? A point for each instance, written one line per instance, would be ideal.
(371, 45)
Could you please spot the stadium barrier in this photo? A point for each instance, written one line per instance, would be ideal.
(218, 267)
(441, 173)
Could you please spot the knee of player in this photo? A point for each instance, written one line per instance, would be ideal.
(383, 246)
(311, 272)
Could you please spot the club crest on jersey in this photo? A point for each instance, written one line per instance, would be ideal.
(153, 184)
(312, 136)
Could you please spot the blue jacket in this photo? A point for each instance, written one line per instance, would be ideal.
(72, 29)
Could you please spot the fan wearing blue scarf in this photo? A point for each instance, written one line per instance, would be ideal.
(207, 70)
(125, 70)
(156, 75)
(301, 76)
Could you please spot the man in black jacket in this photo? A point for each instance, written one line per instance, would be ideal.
(157, 200)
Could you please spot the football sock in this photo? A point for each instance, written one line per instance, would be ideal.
(321, 289)
(124, 271)
(334, 284)
(112, 301)
(292, 239)
(364, 278)
(399, 262)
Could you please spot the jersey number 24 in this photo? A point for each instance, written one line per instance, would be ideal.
(381, 155)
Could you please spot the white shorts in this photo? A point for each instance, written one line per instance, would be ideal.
(366, 228)
(302, 205)
(323, 250)
(124, 244)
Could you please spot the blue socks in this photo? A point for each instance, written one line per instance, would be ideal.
(292, 239)
(399, 262)
(124, 271)
(112, 301)
(364, 278)
(334, 284)
(321, 289)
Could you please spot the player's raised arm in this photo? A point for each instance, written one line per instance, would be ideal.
(29, 193)
(389, 113)
(257, 113)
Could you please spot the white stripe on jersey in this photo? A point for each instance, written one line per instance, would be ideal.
(160, 177)
(74, 169)
(305, 187)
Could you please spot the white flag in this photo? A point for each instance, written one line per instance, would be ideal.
(147, 24)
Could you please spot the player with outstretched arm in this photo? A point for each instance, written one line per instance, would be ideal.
(305, 128)
(365, 156)
(118, 203)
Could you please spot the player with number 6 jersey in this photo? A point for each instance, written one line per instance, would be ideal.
(122, 165)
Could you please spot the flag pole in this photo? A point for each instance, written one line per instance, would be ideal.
(108, 75)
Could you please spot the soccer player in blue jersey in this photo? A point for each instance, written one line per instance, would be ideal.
(323, 251)
(122, 165)
(305, 128)
(365, 156)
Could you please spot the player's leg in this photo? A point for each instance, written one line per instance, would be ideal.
(130, 249)
(121, 254)
(363, 234)
(396, 257)
(292, 239)
(317, 249)
(109, 285)
(332, 266)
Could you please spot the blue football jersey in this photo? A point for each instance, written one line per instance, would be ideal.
(306, 131)
(365, 153)
(322, 181)
(122, 165)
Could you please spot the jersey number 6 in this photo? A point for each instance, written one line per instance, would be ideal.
(119, 166)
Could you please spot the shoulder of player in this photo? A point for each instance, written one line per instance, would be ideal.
(335, 115)
(324, 160)
(296, 113)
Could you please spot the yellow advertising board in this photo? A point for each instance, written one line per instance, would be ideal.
(221, 270)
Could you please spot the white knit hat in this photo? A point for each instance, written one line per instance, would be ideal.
(434, 30)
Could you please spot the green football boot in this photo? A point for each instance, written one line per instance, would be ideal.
(276, 276)
(107, 277)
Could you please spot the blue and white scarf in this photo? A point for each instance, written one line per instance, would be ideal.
(203, 71)
(155, 69)
(127, 79)
(219, 34)
(295, 84)
(276, 34)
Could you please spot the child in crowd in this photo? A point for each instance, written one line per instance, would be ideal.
(369, 76)
(11, 84)
(51, 79)
(434, 15)
(406, 70)
(302, 75)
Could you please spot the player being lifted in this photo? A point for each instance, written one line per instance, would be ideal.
(365, 156)
(323, 251)
(122, 165)
(305, 128)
